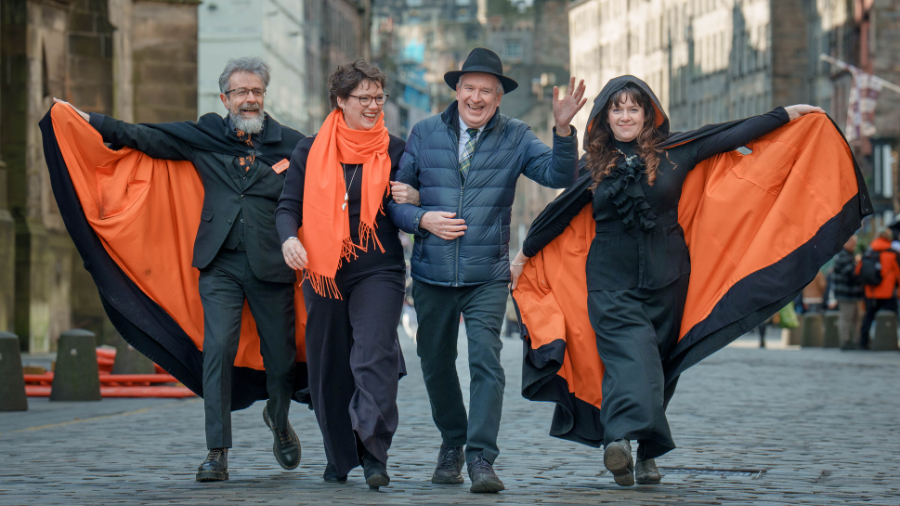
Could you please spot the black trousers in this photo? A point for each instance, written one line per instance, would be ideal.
(636, 329)
(224, 286)
(873, 306)
(354, 361)
(438, 309)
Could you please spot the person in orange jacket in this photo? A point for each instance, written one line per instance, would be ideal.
(881, 296)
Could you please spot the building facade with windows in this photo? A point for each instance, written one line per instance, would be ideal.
(303, 41)
(132, 59)
(711, 61)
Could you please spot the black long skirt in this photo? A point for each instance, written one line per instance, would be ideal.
(635, 329)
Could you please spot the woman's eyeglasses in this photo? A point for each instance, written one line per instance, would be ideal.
(365, 100)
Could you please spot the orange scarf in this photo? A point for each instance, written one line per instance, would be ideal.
(326, 225)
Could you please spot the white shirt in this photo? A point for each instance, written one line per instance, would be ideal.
(464, 137)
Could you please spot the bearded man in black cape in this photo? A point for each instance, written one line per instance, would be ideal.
(241, 160)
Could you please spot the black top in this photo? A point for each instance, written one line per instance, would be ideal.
(289, 215)
(639, 243)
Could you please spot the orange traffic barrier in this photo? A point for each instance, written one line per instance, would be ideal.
(116, 385)
(108, 379)
(118, 391)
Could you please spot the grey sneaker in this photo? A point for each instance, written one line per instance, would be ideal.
(449, 466)
(617, 459)
(646, 472)
(484, 479)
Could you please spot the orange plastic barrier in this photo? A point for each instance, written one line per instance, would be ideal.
(115, 385)
(109, 379)
(118, 391)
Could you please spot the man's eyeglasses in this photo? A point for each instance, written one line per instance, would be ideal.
(243, 92)
(366, 100)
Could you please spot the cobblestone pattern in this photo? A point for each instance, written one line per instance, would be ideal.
(753, 426)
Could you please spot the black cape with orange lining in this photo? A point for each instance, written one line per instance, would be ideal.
(758, 228)
(140, 255)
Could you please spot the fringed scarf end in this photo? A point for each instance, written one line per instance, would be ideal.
(322, 285)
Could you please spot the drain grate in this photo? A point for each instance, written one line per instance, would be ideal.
(753, 474)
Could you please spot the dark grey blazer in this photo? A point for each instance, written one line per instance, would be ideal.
(227, 191)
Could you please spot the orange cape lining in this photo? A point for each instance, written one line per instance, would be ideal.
(739, 213)
(146, 212)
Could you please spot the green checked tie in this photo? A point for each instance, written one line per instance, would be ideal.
(470, 150)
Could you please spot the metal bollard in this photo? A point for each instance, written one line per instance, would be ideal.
(812, 330)
(76, 377)
(12, 382)
(885, 335)
(832, 337)
(131, 361)
(795, 336)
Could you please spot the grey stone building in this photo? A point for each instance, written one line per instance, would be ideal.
(716, 60)
(301, 40)
(133, 59)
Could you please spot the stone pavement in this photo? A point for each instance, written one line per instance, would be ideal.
(775, 426)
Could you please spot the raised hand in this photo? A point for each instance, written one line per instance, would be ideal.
(404, 193)
(84, 115)
(795, 111)
(566, 108)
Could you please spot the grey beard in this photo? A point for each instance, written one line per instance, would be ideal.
(251, 126)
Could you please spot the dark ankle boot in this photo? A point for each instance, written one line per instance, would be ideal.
(287, 445)
(215, 467)
(617, 459)
(331, 475)
(375, 472)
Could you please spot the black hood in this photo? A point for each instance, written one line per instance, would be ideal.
(613, 86)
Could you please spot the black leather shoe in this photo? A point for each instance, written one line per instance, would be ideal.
(484, 479)
(215, 467)
(331, 475)
(375, 472)
(449, 466)
(287, 444)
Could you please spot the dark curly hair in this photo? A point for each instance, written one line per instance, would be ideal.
(347, 77)
(601, 152)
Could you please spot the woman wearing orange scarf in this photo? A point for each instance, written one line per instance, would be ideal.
(336, 188)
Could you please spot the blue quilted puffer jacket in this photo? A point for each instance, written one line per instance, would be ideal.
(505, 149)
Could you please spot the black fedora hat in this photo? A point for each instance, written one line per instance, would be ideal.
(484, 61)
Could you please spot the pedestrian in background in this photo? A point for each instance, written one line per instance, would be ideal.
(880, 275)
(848, 292)
(814, 294)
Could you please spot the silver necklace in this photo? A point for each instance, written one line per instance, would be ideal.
(347, 193)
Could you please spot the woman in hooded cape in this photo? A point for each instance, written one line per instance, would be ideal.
(632, 275)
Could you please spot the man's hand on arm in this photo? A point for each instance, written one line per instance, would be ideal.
(441, 224)
(84, 115)
(566, 108)
(404, 193)
(294, 253)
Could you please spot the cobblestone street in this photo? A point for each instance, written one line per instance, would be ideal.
(773, 426)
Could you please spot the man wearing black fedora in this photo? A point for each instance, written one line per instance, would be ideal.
(462, 167)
